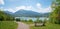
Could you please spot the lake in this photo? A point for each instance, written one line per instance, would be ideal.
(33, 18)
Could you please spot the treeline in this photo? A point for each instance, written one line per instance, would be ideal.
(5, 17)
(32, 20)
(55, 15)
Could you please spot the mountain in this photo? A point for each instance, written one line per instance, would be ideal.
(26, 13)
(8, 12)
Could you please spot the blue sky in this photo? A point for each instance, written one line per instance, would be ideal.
(40, 6)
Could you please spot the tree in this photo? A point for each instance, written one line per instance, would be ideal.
(17, 19)
(55, 15)
(38, 20)
(5, 17)
(1, 18)
(30, 20)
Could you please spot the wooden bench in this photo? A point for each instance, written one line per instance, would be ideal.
(39, 24)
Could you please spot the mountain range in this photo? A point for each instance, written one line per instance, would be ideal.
(26, 13)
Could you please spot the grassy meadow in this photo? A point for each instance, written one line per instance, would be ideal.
(47, 26)
(8, 25)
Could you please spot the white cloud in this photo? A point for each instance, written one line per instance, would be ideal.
(18, 8)
(38, 9)
(38, 5)
(42, 10)
(48, 9)
(23, 7)
(10, 10)
(2, 2)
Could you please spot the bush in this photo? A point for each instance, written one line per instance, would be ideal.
(5, 17)
(17, 19)
(30, 20)
(1, 18)
(38, 20)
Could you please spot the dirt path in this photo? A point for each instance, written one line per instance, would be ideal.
(22, 26)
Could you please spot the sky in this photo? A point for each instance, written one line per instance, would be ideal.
(40, 6)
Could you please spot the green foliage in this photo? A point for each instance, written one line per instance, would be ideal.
(5, 17)
(38, 20)
(18, 19)
(30, 20)
(55, 15)
(1, 18)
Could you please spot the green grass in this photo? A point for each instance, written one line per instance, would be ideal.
(8, 25)
(48, 26)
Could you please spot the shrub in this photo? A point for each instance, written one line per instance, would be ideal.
(30, 20)
(17, 19)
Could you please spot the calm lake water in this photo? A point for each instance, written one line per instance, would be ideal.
(33, 18)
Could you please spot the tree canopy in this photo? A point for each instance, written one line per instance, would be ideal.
(5, 17)
(55, 15)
